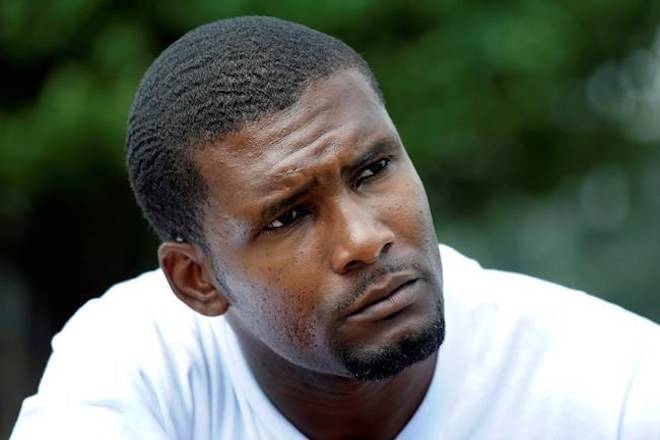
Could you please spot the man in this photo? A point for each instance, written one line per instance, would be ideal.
(298, 234)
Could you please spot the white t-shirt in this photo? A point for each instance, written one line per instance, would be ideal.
(522, 359)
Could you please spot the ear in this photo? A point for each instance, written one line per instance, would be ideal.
(191, 277)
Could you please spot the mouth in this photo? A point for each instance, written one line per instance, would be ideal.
(386, 300)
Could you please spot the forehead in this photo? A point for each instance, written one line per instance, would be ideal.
(331, 121)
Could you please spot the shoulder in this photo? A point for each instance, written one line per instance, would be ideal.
(135, 359)
(548, 352)
(544, 305)
(132, 322)
(138, 304)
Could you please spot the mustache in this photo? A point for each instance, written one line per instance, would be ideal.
(364, 280)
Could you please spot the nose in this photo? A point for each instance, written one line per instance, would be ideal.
(360, 238)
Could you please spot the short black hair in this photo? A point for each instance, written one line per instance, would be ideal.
(207, 84)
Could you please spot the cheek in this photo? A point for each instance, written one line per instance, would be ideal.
(408, 211)
(284, 319)
(275, 299)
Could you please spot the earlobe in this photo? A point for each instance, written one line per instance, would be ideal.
(190, 276)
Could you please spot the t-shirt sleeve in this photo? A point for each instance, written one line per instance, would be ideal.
(89, 389)
(641, 415)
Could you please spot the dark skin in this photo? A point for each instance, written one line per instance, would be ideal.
(310, 210)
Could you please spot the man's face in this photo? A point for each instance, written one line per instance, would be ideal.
(320, 230)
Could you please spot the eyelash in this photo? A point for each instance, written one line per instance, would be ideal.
(294, 220)
(381, 165)
(385, 161)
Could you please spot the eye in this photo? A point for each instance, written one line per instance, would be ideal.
(286, 219)
(372, 169)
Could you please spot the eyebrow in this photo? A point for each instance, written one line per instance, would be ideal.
(271, 210)
(278, 206)
(378, 148)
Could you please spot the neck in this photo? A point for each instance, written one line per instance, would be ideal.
(325, 406)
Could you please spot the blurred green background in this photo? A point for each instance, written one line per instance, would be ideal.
(535, 125)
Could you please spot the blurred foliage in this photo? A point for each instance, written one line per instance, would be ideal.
(532, 123)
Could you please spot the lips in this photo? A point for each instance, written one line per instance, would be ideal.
(384, 299)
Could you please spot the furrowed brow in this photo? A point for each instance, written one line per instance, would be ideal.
(377, 149)
(273, 209)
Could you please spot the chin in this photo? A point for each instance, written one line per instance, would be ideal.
(372, 364)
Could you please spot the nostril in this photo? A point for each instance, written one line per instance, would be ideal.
(387, 246)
